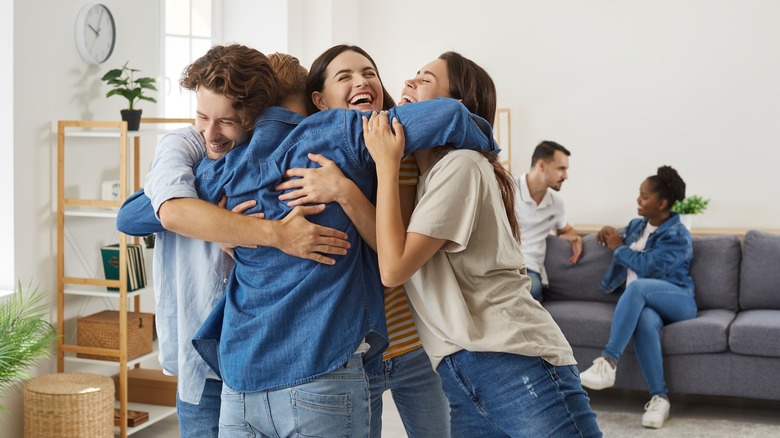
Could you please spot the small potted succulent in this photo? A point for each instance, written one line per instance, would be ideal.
(125, 84)
(688, 207)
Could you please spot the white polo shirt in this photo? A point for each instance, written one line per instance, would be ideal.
(537, 222)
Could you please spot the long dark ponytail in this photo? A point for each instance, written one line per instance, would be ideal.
(475, 88)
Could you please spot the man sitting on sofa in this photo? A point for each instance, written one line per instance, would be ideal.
(540, 210)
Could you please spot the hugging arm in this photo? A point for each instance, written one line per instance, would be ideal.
(136, 216)
(171, 188)
(431, 123)
(400, 253)
(327, 184)
(426, 124)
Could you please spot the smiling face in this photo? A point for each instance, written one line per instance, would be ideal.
(431, 81)
(351, 82)
(218, 123)
(649, 205)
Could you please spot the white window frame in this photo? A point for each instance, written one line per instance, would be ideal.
(171, 85)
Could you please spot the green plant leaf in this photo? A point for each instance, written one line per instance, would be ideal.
(693, 204)
(124, 84)
(25, 335)
(112, 74)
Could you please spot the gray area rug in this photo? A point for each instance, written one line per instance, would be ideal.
(619, 414)
(624, 424)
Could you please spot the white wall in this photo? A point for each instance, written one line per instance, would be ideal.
(7, 279)
(262, 25)
(302, 28)
(626, 86)
(51, 82)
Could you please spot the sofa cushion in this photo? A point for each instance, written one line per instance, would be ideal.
(715, 271)
(584, 323)
(578, 281)
(587, 324)
(707, 333)
(756, 333)
(759, 286)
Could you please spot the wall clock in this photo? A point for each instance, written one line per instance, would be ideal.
(95, 33)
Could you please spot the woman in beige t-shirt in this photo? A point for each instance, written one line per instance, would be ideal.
(504, 364)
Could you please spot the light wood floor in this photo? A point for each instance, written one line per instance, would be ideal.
(695, 410)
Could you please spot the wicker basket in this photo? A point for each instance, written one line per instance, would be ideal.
(68, 405)
(102, 330)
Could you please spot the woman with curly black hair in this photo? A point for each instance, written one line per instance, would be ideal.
(652, 261)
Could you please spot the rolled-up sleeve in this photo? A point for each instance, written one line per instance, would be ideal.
(171, 175)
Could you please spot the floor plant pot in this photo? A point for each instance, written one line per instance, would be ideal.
(133, 118)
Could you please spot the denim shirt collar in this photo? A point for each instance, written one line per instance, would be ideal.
(278, 114)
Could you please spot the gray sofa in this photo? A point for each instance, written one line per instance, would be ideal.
(731, 348)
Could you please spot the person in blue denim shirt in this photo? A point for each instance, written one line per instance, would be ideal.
(343, 77)
(505, 366)
(190, 275)
(652, 260)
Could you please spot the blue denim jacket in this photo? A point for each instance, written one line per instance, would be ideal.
(667, 255)
(284, 320)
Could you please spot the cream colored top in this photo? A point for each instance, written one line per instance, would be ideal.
(639, 246)
(471, 295)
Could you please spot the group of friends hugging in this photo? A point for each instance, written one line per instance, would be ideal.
(319, 244)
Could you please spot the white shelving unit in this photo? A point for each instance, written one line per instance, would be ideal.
(70, 286)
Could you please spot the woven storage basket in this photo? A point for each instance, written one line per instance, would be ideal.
(102, 330)
(68, 405)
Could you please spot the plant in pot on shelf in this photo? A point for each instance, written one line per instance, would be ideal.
(25, 335)
(688, 207)
(124, 83)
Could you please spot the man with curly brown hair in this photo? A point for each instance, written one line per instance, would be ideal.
(234, 84)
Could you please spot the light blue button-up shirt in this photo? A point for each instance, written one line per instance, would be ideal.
(284, 320)
(189, 275)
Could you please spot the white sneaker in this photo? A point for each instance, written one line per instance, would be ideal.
(656, 412)
(599, 376)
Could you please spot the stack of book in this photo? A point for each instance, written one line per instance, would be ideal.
(134, 418)
(136, 266)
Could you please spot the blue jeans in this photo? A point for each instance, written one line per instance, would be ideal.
(417, 394)
(201, 420)
(333, 405)
(536, 284)
(509, 395)
(645, 306)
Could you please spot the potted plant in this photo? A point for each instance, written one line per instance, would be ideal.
(688, 207)
(124, 83)
(25, 335)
